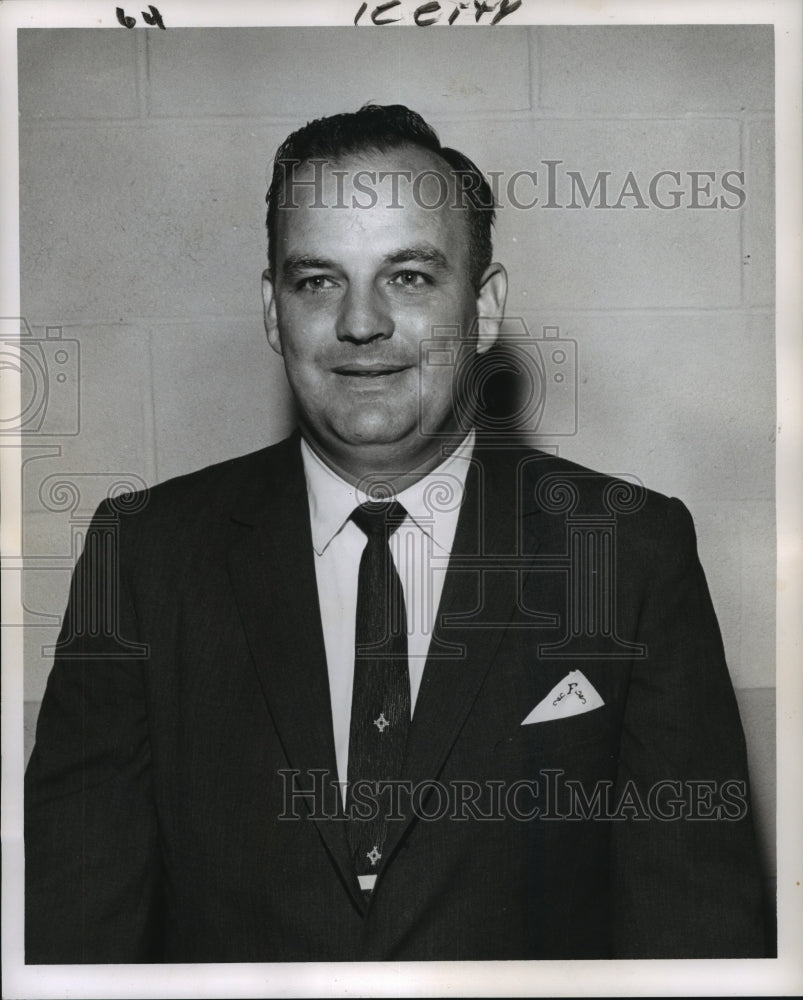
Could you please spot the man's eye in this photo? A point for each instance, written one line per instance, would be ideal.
(411, 279)
(315, 283)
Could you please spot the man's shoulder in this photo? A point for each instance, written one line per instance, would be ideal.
(236, 483)
(551, 485)
(544, 470)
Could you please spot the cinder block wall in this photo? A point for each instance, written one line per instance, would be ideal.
(144, 157)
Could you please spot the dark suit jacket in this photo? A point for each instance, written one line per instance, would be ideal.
(192, 678)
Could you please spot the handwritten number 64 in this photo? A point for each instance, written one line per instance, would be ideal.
(152, 18)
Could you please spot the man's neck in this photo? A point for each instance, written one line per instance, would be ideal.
(383, 473)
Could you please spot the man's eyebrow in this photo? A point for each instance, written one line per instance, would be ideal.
(296, 262)
(422, 254)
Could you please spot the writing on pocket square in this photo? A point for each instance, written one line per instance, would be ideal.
(571, 696)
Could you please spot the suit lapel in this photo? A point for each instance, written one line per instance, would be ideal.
(495, 523)
(272, 571)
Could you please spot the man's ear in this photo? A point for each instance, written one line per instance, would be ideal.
(269, 312)
(490, 306)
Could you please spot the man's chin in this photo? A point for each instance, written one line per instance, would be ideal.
(366, 431)
(381, 447)
(357, 451)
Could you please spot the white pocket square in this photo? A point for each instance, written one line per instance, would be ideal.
(572, 696)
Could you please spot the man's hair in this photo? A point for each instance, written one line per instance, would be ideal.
(377, 128)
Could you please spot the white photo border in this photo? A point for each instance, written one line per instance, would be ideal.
(783, 975)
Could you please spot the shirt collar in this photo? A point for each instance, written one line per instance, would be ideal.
(432, 502)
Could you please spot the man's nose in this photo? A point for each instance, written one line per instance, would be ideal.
(364, 315)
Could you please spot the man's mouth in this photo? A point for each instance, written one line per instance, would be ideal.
(369, 371)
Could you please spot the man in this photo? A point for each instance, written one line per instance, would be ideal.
(395, 688)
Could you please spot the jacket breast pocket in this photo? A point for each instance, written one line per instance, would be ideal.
(555, 739)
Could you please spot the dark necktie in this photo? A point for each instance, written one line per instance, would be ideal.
(380, 701)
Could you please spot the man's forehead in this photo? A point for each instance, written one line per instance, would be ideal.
(362, 209)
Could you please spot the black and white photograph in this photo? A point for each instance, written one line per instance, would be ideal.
(401, 512)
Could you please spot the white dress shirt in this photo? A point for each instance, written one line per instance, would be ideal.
(420, 549)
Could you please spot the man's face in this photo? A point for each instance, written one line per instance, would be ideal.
(356, 291)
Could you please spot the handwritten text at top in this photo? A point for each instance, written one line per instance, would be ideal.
(425, 14)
